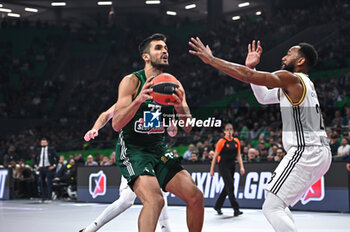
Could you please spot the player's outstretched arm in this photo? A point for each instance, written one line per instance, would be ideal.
(100, 122)
(279, 79)
(126, 107)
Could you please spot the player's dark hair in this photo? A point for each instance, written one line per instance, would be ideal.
(144, 45)
(43, 139)
(309, 53)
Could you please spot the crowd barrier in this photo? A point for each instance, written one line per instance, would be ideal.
(330, 193)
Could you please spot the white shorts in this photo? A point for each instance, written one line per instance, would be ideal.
(298, 170)
(123, 184)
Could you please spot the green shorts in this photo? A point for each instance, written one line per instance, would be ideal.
(134, 161)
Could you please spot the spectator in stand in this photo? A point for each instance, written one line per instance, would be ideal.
(98, 157)
(279, 154)
(255, 132)
(199, 148)
(79, 159)
(264, 154)
(61, 166)
(187, 155)
(12, 153)
(112, 159)
(207, 145)
(207, 156)
(193, 160)
(70, 175)
(272, 152)
(58, 185)
(105, 161)
(346, 118)
(253, 155)
(90, 161)
(334, 144)
(26, 180)
(338, 120)
(245, 153)
(343, 149)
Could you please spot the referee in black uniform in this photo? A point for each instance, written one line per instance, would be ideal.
(227, 151)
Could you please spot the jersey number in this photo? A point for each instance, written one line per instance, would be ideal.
(154, 107)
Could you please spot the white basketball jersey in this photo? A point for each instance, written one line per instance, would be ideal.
(302, 121)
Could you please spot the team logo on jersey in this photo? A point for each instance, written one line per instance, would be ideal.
(139, 128)
(97, 184)
(315, 192)
(151, 119)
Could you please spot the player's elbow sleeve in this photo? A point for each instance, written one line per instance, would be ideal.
(264, 95)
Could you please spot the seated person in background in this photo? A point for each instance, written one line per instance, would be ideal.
(253, 155)
(105, 161)
(58, 185)
(90, 161)
(272, 152)
(193, 160)
(279, 154)
(344, 148)
(334, 144)
(70, 175)
(264, 154)
(187, 155)
(245, 153)
(79, 159)
(61, 166)
(25, 180)
(112, 159)
(207, 155)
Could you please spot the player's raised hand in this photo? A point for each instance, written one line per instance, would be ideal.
(91, 134)
(254, 53)
(203, 52)
(145, 91)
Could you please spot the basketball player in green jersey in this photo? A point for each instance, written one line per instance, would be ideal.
(142, 156)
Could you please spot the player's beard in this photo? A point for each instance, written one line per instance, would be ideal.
(289, 67)
(157, 64)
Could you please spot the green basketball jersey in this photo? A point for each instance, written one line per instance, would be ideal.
(135, 133)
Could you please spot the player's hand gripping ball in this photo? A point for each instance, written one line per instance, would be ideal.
(163, 87)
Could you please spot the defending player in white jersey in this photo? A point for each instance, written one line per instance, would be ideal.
(304, 138)
(127, 196)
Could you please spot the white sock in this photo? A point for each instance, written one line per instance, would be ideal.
(164, 218)
(276, 213)
(125, 201)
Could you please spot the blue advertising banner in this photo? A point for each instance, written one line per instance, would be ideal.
(4, 184)
(98, 184)
(330, 193)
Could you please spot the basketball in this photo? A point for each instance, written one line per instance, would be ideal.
(164, 86)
